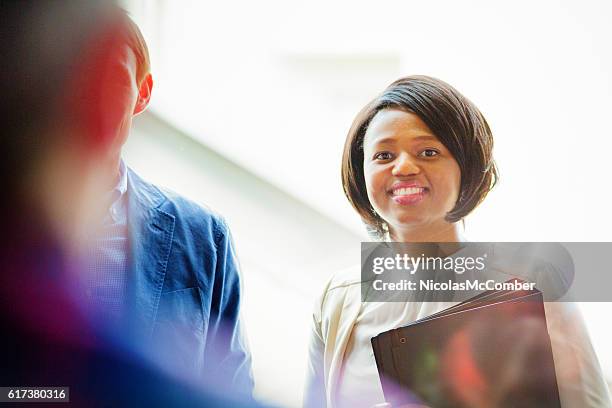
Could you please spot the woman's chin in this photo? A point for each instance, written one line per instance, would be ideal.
(407, 220)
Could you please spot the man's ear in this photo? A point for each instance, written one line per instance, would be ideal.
(144, 94)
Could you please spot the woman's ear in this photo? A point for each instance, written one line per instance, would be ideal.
(144, 94)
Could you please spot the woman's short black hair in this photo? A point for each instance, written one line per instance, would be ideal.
(456, 122)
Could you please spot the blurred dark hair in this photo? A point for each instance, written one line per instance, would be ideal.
(134, 38)
(39, 40)
(455, 121)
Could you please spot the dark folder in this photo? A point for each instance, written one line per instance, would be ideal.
(492, 350)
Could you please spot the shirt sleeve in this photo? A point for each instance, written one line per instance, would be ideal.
(579, 376)
(227, 355)
(314, 392)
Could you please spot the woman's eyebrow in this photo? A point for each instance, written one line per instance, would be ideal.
(425, 137)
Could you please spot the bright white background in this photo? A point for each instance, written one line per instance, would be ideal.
(272, 87)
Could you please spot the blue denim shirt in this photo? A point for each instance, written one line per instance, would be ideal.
(184, 285)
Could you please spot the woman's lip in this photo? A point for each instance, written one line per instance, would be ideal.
(409, 199)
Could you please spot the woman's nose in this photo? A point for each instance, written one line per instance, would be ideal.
(405, 166)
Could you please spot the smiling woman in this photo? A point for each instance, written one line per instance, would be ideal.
(417, 160)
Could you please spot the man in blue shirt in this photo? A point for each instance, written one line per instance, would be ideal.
(159, 262)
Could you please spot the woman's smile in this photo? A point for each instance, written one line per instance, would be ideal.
(408, 193)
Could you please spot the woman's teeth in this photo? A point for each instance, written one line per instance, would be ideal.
(408, 191)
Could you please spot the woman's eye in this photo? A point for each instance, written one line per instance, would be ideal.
(383, 156)
(430, 153)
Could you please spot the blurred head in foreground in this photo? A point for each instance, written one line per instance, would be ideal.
(417, 159)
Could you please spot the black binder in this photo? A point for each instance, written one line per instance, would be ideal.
(492, 350)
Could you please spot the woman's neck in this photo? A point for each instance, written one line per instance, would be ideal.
(447, 232)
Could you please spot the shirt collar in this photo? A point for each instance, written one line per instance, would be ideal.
(117, 194)
(121, 186)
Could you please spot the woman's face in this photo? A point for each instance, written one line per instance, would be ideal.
(412, 179)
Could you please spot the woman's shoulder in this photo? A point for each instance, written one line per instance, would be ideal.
(342, 284)
(549, 265)
(344, 278)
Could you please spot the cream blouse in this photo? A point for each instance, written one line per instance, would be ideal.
(342, 371)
